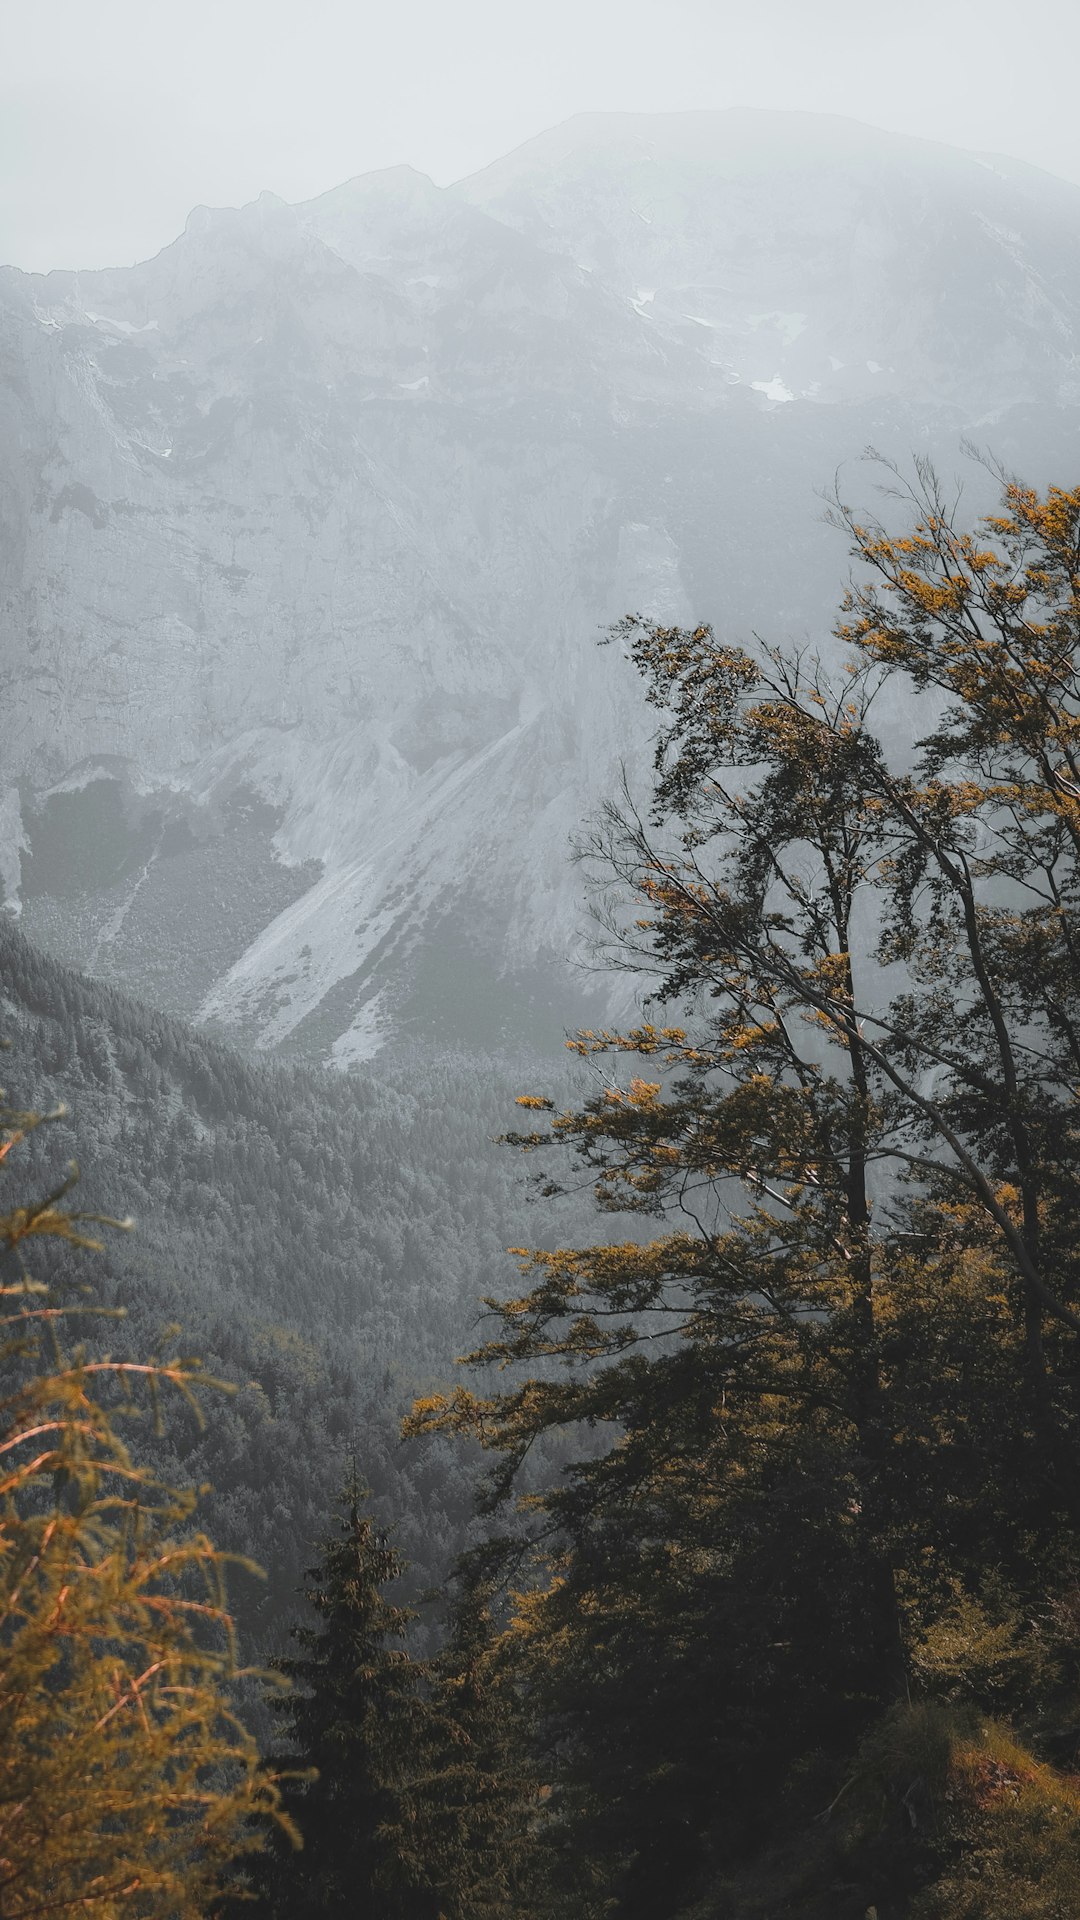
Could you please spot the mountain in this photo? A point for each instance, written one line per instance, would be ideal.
(321, 1241)
(821, 259)
(309, 526)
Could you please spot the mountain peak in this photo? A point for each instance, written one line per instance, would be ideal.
(382, 183)
(321, 550)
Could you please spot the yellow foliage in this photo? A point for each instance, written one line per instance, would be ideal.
(128, 1786)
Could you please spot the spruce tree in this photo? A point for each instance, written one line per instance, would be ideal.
(356, 1725)
(479, 1795)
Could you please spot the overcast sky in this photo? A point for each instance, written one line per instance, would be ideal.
(118, 116)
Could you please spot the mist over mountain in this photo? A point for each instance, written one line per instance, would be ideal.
(309, 525)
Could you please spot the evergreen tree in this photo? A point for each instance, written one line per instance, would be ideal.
(356, 1719)
(478, 1796)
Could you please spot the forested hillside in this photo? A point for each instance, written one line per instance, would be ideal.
(321, 1239)
(769, 1602)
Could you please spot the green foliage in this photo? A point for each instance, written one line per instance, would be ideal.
(415, 1799)
(476, 1793)
(953, 1818)
(356, 1719)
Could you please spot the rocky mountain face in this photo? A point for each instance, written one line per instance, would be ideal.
(308, 528)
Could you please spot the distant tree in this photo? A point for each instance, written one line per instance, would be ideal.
(128, 1786)
(840, 1387)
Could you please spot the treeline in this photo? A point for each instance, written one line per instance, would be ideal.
(770, 1607)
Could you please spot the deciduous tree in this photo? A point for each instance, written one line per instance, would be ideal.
(838, 1387)
(128, 1785)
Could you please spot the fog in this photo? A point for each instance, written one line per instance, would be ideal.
(362, 369)
(117, 119)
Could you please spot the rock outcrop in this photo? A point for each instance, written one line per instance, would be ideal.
(309, 525)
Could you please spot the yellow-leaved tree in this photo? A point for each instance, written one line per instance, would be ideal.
(128, 1786)
(799, 1628)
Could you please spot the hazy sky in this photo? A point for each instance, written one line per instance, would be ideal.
(118, 116)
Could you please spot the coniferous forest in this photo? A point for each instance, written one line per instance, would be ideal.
(736, 1574)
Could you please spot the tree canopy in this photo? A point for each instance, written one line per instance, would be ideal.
(795, 1628)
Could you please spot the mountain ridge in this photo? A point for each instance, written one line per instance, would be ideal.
(310, 524)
